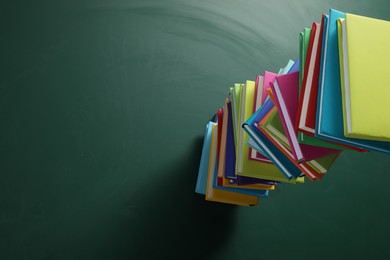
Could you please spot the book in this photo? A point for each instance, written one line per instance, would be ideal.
(364, 64)
(302, 137)
(311, 174)
(287, 169)
(230, 153)
(223, 195)
(222, 137)
(259, 83)
(301, 57)
(220, 124)
(303, 46)
(235, 99)
(249, 189)
(269, 77)
(285, 114)
(329, 123)
(288, 67)
(243, 180)
(308, 97)
(253, 153)
(295, 67)
(285, 91)
(230, 160)
(272, 127)
(260, 190)
(227, 158)
(244, 166)
(201, 182)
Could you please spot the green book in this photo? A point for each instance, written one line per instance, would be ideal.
(304, 38)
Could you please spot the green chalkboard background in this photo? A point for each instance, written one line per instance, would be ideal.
(103, 105)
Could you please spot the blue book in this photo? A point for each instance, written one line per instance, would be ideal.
(329, 121)
(295, 67)
(230, 162)
(278, 158)
(201, 182)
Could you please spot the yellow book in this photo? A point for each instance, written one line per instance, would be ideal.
(366, 77)
(219, 195)
(245, 166)
(236, 104)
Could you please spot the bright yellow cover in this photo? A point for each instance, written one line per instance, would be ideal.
(223, 196)
(368, 54)
(252, 168)
(235, 102)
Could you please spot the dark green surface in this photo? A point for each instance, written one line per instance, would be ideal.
(103, 105)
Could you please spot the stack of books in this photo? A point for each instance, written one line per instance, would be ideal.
(287, 126)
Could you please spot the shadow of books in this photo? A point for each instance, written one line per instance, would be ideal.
(173, 220)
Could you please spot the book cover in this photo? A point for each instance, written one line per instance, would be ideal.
(285, 92)
(222, 195)
(248, 188)
(201, 182)
(364, 44)
(295, 67)
(304, 45)
(286, 167)
(304, 138)
(269, 77)
(222, 137)
(305, 117)
(329, 124)
(249, 168)
(272, 127)
(253, 154)
(230, 160)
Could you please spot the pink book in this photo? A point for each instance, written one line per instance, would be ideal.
(269, 77)
(285, 90)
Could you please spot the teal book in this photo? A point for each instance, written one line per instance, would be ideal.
(201, 182)
(329, 121)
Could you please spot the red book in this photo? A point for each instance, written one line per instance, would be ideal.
(307, 105)
(220, 122)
